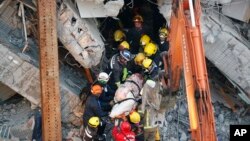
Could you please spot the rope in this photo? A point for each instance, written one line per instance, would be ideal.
(125, 100)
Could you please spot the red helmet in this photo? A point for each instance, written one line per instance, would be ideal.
(125, 127)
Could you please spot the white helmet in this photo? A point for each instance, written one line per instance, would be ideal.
(103, 77)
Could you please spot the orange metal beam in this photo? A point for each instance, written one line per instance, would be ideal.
(49, 71)
(187, 54)
(175, 51)
(88, 75)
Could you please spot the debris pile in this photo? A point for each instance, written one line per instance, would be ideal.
(15, 114)
(176, 124)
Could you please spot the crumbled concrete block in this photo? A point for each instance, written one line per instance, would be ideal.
(24, 78)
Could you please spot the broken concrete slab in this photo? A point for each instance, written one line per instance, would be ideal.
(5, 92)
(99, 8)
(80, 36)
(23, 78)
(229, 53)
(224, 47)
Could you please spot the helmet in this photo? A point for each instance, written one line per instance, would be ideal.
(125, 54)
(135, 117)
(138, 18)
(94, 121)
(96, 89)
(147, 63)
(145, 39)
(125, 45)
(150, 49)
(103, 77)
(118, 35)
(139, 58)
(125, 127)
(163, 31)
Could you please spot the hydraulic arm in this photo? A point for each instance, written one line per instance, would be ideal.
(187, 59)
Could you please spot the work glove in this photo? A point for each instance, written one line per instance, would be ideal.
(118, 84)
(112, 103)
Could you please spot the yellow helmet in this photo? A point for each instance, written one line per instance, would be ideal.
(135, 117)
(163, 32)
(94, 121)
(150, 49)
(138, 18)
(125, 45)
(118, 35)
(145, 39)
(147, 63)
(139, 58)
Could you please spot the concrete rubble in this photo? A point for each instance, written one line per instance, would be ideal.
(224, 46)
(23, 77)
(79, 36)
(15, 115)
(99, 8)
(176, 125)
(20, 71)
(227, 50)
(17, 121)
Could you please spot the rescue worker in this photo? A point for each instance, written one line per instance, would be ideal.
(163, 44)
(103, 78)
(151, 50)
(135, 65)
(136, 125)
(93, 108)
(139, 59)
(120, 42)
(124, 133)
(124, 45)
(90, 132)
(108, 94)
(145, 39)
(151, 69)
(119, 36)
(134, 117)
(117, 68)
(134, 34)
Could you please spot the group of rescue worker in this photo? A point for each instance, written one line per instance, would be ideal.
(136, 53)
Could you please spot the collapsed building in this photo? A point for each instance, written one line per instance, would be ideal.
(83, 43)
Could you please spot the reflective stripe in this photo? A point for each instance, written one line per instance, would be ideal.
(138, 87)
(87, 131)
(112, 61)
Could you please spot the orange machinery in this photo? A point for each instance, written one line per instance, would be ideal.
(186, 59)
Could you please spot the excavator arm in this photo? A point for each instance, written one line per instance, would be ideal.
(187, 59)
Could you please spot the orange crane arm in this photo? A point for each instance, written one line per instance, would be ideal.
(186, 56)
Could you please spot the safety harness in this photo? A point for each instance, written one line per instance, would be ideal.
(139, 89)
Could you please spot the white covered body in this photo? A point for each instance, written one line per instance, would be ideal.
(125, 91)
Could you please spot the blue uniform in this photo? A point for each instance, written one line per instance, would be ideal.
(93, 109)
(152, 73)
(116, 69)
